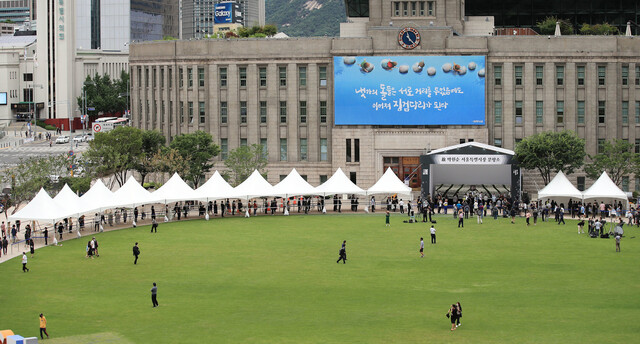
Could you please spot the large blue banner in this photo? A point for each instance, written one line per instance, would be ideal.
(223, 13)
(409, 90)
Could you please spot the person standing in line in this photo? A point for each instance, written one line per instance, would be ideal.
(154, 295)
(401, 204)
(135, 214)
(373, 204)
(255, 208)
(433, 234)
(153, 213)
(343, 253)
(43, 326)
(618, 237)
(386, 219)
(136, 253)
(460, 218)
(1, 247)
(421, 247)
(32, 247)
(5, 245)
(24, 263)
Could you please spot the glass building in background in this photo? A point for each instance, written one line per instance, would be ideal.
(526, 13)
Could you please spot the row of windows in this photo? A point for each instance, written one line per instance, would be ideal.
(303, 148)
(560, 76)
(223, 76)
(580, 112)
(413, 8)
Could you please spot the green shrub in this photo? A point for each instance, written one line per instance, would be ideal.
(548, 26)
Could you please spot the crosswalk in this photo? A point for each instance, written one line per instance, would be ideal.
(10, 156)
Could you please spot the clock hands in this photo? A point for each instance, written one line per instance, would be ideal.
(409, 39)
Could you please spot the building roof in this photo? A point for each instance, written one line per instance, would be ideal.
(16, 41)
(468, 145)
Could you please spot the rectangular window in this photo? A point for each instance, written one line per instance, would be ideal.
(497, 142)
(431, 8)
(559, 75)
(190, 105)
(637, 112)
(302, 76)
(283, 149)
(223, 112)
(600, 146)
(625, 112)
(396, 9)
(602, 74)
(146, 77)
(637, 75)
(170, 111)
(140, 76)
(263, 76)
(580, 74)
(422, 8)
(303, 111)
(201, 112)
(356, 150)
(601, 111)
(637, 146)
(323, 178)
(539, 75)
(243, 112)
(323, 75)
(518, 75)
(200, 76)
(265, 151)
(153, 77)
(223, 77)
(224, 148)
(189, 77)
(243, 142)
(283, 76)
(518, 112)
(580, 111)
(348, 150)
(162, 77)
(497, 75)
(323, 111)
(170, 77)
(303, 150)
(405, 8)
(625, 75)
(352, 177)
(242, 72)
(414, 8)
(539, 111)
(263, 111)
(559, 111)
(637, 184)
(581, 182)
(283, 112)
(181, 112)
(497, 111)
(323, 150)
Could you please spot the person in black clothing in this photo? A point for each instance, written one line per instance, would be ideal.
(343, 253)
(459, 314)
(154, 225)
(5, 245)
(453, 315)
(153, 213)
(136, 253)
(215, 208)
(135, 214)
(154, 295)
(60, 228)
(46, 236)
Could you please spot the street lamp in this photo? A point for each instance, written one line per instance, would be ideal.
(127, 94)
(84, 120)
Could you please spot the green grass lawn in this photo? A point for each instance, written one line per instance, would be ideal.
(275, 280)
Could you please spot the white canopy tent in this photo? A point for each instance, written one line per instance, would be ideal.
(560, 190)
(293, 185)
(68, 200)
(174, 190)
(97, 198)
(605, 190)
(252, 187)
(389, 183)
(339, 183)
(41, 208)
(130, 195)
(215, 188)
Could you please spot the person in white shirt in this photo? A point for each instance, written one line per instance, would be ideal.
(433, 234)
(401, 204)
(24, 263)
(421, 248)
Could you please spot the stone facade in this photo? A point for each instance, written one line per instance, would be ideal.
(521, 71)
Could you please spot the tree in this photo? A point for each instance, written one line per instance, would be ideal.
(170, 161)
(551, 152)
(617, 159)
(103, 94)
(599, 29)
(152, 143)
(114, 152)
(243, 160)
(32, 174)
(197, 149)
(548, 26)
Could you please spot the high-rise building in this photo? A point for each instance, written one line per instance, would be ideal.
(197, 18)
(253, 11)
(18, 11)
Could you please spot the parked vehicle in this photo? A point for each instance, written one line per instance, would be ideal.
(62, 139)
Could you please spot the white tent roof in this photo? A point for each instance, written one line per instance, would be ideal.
(97, 198)
(215, 188)
(174, 190)
(68, 200)
(130, 194)
(252, 187)
(560, 189)
(338, 184)
(293, 185)
(40, 208)
(604, 189)
(389, 183)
